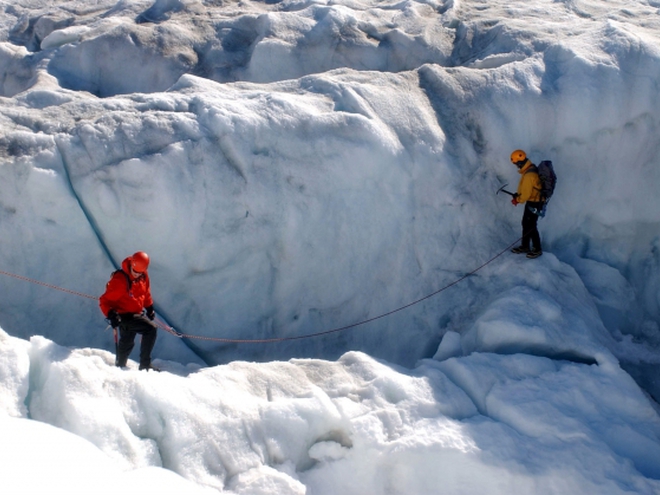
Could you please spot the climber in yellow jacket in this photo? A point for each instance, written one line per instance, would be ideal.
(529, 194)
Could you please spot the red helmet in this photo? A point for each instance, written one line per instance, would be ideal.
(140, 261)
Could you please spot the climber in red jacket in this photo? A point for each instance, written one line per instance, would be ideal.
(127, 304)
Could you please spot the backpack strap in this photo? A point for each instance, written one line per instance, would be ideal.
(128, 278)
(535, 170)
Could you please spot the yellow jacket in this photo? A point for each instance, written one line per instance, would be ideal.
(529, 187)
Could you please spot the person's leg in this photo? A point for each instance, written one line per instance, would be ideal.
(125, 344)
(531, 225)
(149, 332)
(148, 342)
(526, 230)
(535, 237)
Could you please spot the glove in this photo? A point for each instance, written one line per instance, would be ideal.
(113, 318)
(514, 201)
(151, 314)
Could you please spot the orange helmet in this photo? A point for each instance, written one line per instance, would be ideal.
(518, 156)
(140, 261)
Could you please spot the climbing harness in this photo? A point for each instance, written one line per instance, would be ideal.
(162, 325)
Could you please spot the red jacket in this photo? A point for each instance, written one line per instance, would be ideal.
(121, 298)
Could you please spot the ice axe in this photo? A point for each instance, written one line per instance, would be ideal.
(501, 189)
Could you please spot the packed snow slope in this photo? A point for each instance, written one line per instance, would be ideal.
(300, 167)
(484, 423)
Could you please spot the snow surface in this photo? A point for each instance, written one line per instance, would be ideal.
(484, 423)
(298, 167)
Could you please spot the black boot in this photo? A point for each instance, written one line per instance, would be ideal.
(148, 367)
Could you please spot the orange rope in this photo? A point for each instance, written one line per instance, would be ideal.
(31, 280)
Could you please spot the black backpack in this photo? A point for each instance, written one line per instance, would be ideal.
(548, 179)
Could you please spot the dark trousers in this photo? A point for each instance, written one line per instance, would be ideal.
(529, 229)
(130, 326)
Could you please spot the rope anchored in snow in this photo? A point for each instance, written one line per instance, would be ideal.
(172, 331)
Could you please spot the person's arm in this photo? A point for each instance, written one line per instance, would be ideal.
(526, 187)
(148, 300)
(114, 291)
